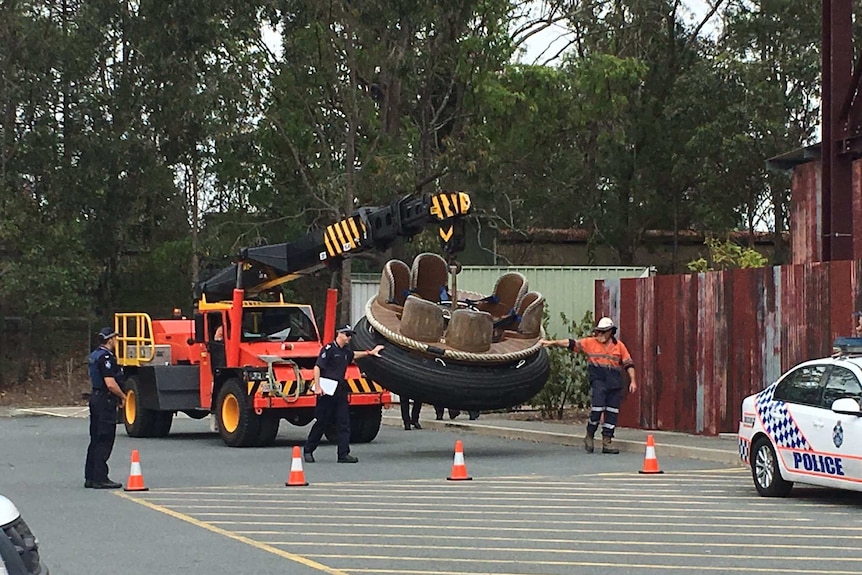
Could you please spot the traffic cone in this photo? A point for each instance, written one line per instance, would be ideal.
(650, 460)
(297, 476)
(136, 477)
(459, 469)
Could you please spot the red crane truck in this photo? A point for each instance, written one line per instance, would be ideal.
(247, 356)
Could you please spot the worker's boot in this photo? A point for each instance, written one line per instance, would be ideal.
(589, 443)
(607, 445)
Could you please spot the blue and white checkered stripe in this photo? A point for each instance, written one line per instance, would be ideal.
(744, 448)
(777, 421)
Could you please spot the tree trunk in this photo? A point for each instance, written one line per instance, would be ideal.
(349, 161)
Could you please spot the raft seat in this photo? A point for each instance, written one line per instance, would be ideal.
(470, 330)
(508, 291)
(429, 277)
(394, 285)
(422, 320)
(529, 311)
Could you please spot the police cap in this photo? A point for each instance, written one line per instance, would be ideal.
(106, 333)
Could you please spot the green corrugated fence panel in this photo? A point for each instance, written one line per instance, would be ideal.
(568, 290)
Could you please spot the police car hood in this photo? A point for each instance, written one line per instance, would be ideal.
(8, 511)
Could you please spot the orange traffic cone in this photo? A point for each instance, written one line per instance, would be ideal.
(459, 468)
(650, 460)
(136, 477)
(297, 476)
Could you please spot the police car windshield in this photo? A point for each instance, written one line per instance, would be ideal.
(278, 324)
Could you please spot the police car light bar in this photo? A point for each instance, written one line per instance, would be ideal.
(847, 346)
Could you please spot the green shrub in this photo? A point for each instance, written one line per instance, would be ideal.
(568, 384)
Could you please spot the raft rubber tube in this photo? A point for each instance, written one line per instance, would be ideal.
(439, 381)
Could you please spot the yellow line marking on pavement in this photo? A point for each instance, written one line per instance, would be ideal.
(231, 535)
(627, 566)
(483, 517)
(484, 510)
(761, 532)
(533, 550)
(318, 536)
(623, 566)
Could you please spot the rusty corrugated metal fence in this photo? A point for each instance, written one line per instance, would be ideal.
(702, 342)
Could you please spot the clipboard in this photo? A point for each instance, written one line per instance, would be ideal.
(328, 386)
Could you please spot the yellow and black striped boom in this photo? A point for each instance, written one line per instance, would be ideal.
(260, 268)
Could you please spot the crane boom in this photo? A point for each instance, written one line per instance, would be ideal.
(376, 227)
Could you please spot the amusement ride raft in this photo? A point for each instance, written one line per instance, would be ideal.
(469, 352)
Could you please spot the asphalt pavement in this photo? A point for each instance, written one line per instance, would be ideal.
(718, 449)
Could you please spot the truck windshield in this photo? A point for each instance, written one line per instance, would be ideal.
(278, 324)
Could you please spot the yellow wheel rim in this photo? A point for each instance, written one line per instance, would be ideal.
(131, 407)
(230, 413)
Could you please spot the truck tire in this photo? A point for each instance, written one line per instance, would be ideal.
(268, 429)
(238, 425)
(300, 417)
(162, 423)
(139, 422)
(364, 425)
(444, 382)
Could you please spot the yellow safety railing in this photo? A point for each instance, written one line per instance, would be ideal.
(135, 344)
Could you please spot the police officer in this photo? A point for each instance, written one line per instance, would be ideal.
(607, 357)
(105, 397)
(332, 364)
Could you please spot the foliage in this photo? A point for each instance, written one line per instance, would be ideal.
(568, 384)
(143, 143)
(726, 255)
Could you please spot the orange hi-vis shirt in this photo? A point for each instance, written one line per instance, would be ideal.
(605, 361)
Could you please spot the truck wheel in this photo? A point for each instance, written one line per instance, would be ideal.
(300, 417)
(139, 422)
(766, 472)
(162, 423)
(364, 425)
(268, 429)
(237, 422)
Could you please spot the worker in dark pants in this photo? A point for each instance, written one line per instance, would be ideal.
(105, 397)
(332, 404)
(453, 413)
(439, 409)
(607, 358)
(408, 416)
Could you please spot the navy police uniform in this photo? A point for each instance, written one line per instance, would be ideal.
(332, 361)
(103, 412)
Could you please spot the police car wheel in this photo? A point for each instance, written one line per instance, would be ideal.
(765, 471)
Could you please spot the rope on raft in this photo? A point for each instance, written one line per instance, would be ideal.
(433, 350)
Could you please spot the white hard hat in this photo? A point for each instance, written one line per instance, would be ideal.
(606, 324)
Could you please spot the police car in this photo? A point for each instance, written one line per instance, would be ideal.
(807, 426)
(19, 548)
